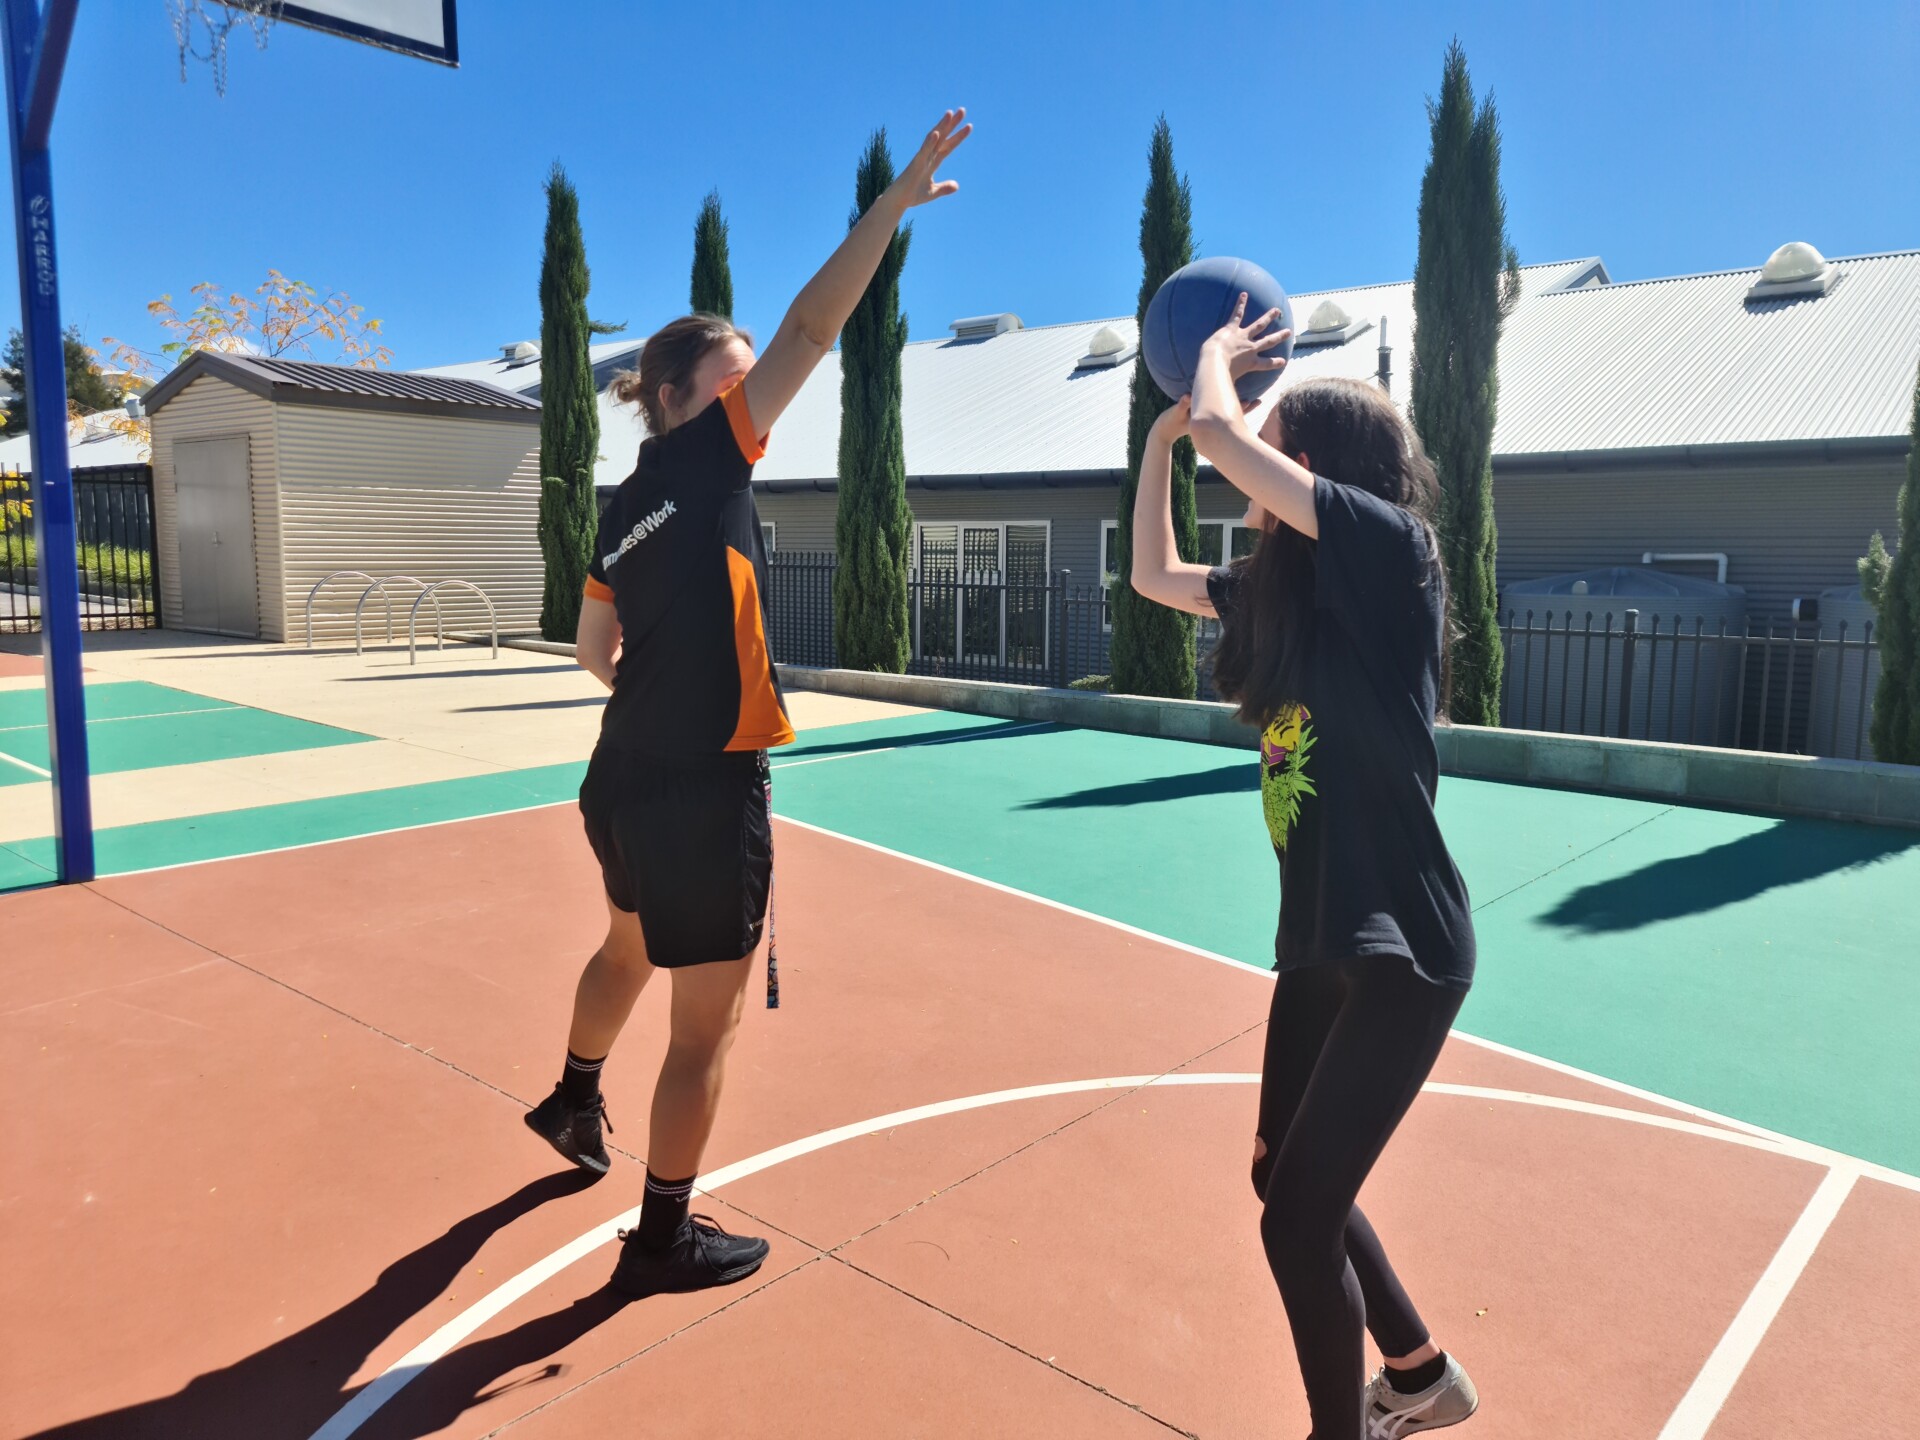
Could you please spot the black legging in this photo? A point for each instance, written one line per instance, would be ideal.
(1348, 1047)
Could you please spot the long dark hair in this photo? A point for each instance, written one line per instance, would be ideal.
(1352, 434)
(670, 356)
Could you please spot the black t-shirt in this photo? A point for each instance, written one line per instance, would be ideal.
(681, 558)
(1348, 772)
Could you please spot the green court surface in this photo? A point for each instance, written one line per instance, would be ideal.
(1756, 967)
(132, 725)
(220, 836)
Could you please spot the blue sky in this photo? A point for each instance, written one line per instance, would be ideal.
(1665, 137)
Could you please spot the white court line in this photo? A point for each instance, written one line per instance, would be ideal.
(415, 1362)
(115, 719)
(1804, 1149)
(1711, 1387)
(16, 760)
(1059, 905)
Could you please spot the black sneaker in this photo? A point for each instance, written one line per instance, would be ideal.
(575, 1133)
(702, 1255)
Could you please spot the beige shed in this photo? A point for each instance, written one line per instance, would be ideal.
(270, 475)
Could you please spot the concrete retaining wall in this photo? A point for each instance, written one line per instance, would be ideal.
(1691, 774)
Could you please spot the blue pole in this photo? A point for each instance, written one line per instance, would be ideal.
(36, 49)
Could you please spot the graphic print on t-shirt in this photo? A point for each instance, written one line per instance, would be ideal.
(1283, 770)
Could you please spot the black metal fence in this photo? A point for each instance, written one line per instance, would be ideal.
(113, 516)
(1793, 687)
(1024, 630)
(986, 625)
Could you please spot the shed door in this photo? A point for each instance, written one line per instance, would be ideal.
(215, 523)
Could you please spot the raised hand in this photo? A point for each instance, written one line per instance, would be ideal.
(916, 184)
(1175, 420)
(1245, 346)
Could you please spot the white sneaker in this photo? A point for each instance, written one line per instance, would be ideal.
(1447, 1401)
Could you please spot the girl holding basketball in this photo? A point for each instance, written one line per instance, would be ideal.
(1334, 644)
(676, 799)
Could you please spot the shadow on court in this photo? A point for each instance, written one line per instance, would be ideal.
(1237, 779)
(1788, 853)
(293, 1385)
(474, 1374)
(577, 704)
(958, 735)
(414, 673)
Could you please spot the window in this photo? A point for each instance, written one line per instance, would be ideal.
(1236, 539)
(1214, 534)
(767, 528)
(980, 591)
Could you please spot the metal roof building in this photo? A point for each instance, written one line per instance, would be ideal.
(1731, 414)
(1681, 417)
(269, 475)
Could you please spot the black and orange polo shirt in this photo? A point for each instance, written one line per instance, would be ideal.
(681, 558)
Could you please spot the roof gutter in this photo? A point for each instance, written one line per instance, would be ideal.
(1004, 480)
(1766, 452)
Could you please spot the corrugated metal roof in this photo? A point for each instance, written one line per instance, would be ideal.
(98, 443)
(523, 377)
(299, 380)
(1014, 404)
(1620, 366)
(1689, 362)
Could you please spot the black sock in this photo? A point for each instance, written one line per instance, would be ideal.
(664, 1210)
(580, 1080)
(1420, 1377)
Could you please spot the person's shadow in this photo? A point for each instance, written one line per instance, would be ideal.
(1790, 852)
(291, 1387)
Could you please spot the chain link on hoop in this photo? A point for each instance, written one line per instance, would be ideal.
(209, 22)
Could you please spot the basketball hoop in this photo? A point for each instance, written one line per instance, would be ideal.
(210, 22)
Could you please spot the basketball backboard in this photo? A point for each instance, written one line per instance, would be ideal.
(423, 28)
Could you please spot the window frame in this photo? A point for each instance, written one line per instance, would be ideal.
(920, 526)
(1228, 527)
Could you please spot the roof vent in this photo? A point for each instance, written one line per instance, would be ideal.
(1107, 349)
(982, 327)
(1796, 268)
(1330, 325)
(521, 352)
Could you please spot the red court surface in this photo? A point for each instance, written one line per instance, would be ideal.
(265, 1147)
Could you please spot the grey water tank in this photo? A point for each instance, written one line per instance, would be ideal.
(1567, 650)
(1845, 676)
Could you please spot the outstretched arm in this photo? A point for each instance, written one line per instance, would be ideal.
(1278, 485)
(817, 313)
(1158, 571)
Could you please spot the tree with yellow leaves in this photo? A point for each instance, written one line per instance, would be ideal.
(283, 318)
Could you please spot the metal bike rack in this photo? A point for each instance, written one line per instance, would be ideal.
(493, 625)
(327, 580)
(381, 585)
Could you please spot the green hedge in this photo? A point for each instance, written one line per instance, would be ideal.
(113, 564)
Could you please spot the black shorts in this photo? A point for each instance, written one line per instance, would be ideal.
(687, 844)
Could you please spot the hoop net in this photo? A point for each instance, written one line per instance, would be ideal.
(201, 28)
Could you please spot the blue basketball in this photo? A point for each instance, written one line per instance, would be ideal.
(1197, 300)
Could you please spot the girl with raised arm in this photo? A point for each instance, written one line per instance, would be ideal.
(1334, 643)
(676, 798)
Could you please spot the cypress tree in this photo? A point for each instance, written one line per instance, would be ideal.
(1464, 283)
(873, 525)
(1152, 649)
(712, 288)
(569, 416)
(1896, 704)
